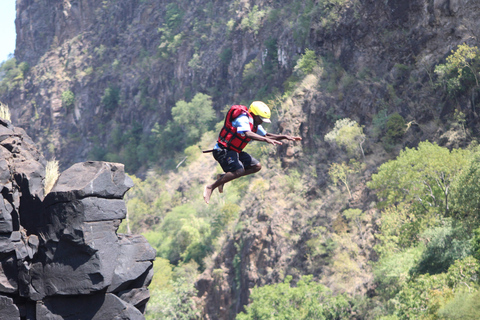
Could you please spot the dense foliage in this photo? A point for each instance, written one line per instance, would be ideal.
(307, 300)
(413, 254)
(424, 229)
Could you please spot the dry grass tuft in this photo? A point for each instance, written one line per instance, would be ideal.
(51, 175)
(4, 112)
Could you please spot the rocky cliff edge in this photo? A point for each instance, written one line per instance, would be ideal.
(60, 255)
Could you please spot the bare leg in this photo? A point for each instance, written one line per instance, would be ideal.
(228, 176)
(220, 187)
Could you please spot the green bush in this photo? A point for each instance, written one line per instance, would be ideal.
(428, 296)
(423, 176)
(193, 118)
(465, 194)
(68, 99)
(308, 300)
(446, 244)
(461, 70)
(111, 98)
(12, 74)
(394, 130)
(253, 20)
(307, 62)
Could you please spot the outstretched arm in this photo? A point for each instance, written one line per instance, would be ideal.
(252, 135)
(282, 137)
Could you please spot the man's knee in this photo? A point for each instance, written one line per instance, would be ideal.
(240, 172)
(257, 167)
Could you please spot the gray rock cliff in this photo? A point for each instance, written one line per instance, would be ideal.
(60, 255)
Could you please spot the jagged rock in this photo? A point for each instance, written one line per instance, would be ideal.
(94, 307)
(136, 297)
(78, 260)
(90, 179)
(61, 255)
(5, 133)
(6, 209)
(8, 310)
(88, 210)
(8, 274)
(32, 173)
(134, 261)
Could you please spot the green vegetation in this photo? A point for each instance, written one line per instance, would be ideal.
(461, 70)
(349, 135)
(252, 21)
(341, 172)
(12, 74)
(426, 233)
(413, 254)
(194, 118)
(68, 99)
(307, 300)
(172, 291)
(171, 37)
(394, 130)
(110, 98)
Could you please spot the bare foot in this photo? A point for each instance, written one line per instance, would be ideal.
(220, 187)
(207, 192)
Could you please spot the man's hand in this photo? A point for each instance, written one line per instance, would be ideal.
(274, 142)
(282, 137)
(291, 138)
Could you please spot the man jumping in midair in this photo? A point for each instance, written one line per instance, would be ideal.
(241, 126)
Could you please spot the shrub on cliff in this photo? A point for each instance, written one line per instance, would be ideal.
(308, 300)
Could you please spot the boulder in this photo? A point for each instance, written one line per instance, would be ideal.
(8, 310)
(94, 307)
(60, 255)
(90, 179)
(134, 264)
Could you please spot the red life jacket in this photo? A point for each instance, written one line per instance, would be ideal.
(228, 137)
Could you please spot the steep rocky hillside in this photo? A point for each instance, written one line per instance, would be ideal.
(92, 75)
(60, 255)
(97, 66)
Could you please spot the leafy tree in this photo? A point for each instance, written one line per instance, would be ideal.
(308, 300)
(463, 306)
(174, 298)
(171, 38)
(399, 228)
(461, 70)
(423, 297)
(341, 172)
(347, 133)
(184, 236)
(252, 21)
(466, 193)
(194, 118)
(12, 74)
(476, 244)
(356, 219)
(423, 176)
(445, 245)
(392, 270)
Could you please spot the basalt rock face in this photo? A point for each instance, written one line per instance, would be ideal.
(60, 255)
(154, 53)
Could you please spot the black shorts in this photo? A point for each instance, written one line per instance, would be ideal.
(231, 160)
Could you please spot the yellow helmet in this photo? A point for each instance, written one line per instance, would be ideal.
(260, 109)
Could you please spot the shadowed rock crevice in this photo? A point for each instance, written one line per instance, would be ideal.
(60, 254)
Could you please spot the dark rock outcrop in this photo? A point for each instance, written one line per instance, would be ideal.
(60, 255)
